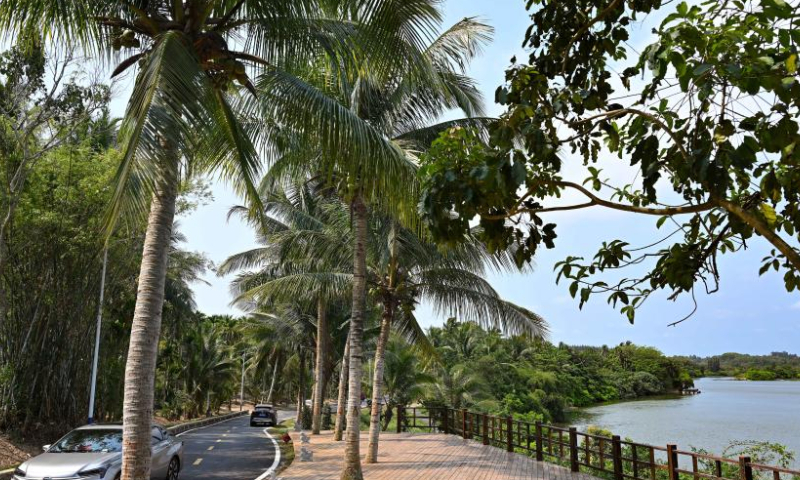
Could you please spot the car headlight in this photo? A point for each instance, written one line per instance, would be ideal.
(93, 472)
(19, 472)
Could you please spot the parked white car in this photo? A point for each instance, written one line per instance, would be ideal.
(94, 452)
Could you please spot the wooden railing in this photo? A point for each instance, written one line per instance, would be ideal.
(606, 457)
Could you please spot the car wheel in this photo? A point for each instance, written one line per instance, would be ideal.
(173, 469)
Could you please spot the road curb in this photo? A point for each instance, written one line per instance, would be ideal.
(276, 462)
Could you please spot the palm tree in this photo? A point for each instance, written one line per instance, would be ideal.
(267, 353)
(179, 119)
(403, 377)
(458, 387)
(208, 366)
(367, 128)
(295, 328)
(412, 270)
(402, 270)
(304, 243)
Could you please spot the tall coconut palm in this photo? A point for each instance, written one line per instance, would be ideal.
(179, 119)
(295, 327)
(303, 237)
(402, 269)
(410, 270)
(368, 128)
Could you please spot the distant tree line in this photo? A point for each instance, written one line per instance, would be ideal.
(538, 380)
(775, 366)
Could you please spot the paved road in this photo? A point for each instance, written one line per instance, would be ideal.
(229, 450)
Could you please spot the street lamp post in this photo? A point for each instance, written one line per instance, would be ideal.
(241, 392)
(97, 336)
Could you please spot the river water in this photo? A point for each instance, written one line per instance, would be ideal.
(727, 410)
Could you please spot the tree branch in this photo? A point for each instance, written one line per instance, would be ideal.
(594, 200)
(792, 255)
(652, 118)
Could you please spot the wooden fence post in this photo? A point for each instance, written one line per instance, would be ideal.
(745, 469)
(485, 429)
(445, 413)
(464, 423)
(400, 410)
(509, 434)
(573, 450)
(616, 456)
(539, 451)
(672, 461)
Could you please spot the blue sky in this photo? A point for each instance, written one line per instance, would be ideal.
(749, 314)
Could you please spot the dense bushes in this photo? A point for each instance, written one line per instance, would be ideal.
(541, 381)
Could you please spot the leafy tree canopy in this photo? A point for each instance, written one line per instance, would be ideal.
(705, 116)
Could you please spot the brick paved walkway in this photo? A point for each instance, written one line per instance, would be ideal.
(409, 456)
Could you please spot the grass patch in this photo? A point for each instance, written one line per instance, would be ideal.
(287, 448)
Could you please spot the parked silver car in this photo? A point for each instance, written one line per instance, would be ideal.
(94, 452)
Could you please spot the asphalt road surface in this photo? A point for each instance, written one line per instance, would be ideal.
(229, 450)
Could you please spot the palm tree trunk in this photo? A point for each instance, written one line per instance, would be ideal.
(272, 382)
(342, 401)
(319, 373)
(377, 383)
(140, 368)
(300, 391)
(351, 470)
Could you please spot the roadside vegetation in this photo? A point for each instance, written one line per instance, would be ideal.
(286, 447)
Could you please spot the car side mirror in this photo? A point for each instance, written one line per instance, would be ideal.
(46, 447)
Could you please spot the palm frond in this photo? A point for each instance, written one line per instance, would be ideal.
(455, 48)
(70, 24)
(167, 101)
(421, 139)
(350, 145)
(298, 287)
(470, 298)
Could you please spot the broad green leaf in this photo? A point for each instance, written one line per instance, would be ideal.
(791, 63)
(769, 213)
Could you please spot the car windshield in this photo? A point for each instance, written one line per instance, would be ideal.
(89, 441)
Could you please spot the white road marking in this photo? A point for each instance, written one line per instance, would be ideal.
(198, 462)
(276, 461)
(211, 448)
